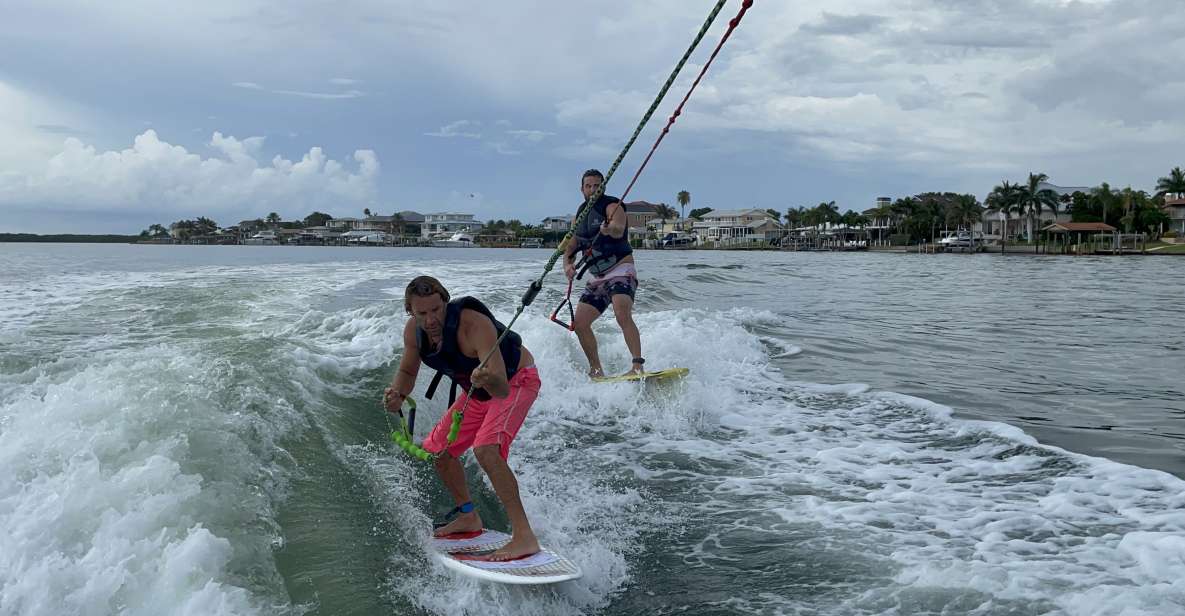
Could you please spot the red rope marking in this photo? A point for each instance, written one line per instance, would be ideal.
(732, 25)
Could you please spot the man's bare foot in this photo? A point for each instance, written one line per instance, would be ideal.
(595, 373)
(463, 523)
(636, 369)
(521, 545)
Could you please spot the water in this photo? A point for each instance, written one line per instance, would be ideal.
(195, 430)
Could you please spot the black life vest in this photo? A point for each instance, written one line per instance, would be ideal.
(600, 252)
(451, 362)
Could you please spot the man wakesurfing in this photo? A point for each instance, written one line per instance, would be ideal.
(452, 337)
(603, 240)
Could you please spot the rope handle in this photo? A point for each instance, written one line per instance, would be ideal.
(403, 436)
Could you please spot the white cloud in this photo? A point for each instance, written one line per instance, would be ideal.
(460, 128)
(343, 81)
(1031, 85)
(33, 127)
(154, 176)
(250, 85)
(503, 148)
(532, 136)
(320, 95)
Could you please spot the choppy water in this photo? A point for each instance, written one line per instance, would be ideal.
(195, 430)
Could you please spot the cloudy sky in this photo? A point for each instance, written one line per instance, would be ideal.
(114, 116)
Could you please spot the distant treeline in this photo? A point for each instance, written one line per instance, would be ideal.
(78, 239)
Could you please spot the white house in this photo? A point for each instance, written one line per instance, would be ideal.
(750, 224)
(558, 223)
(447, 223)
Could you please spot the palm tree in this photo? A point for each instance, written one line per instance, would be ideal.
(157, 230)
(1033, 199)
(205, 226)
(1173, 184)
(683, 198)
(965, 212)
(794, 216)
(1003, 200)
(366, 212)
(664, 211)
(273, 219)
(828, 212)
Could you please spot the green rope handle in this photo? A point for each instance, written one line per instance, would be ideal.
(403, 436)
(456, 427)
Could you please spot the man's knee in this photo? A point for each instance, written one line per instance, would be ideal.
(623, 309)
(584, 319)
(488, 456)
(443, 460)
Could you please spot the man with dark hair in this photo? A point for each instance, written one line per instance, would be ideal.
(453, 337)
(602, 239)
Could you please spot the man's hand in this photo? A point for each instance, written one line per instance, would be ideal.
(393, 400)
(605, 229)
(481, 376)
(569, 270)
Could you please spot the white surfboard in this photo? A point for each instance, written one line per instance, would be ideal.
(468, 553)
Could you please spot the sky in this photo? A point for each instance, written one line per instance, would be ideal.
(115, 116)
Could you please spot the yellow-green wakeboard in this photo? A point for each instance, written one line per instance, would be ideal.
(658, 375)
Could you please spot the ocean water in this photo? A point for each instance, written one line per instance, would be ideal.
(197, 430)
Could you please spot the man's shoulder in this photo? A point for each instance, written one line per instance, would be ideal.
(471, 315)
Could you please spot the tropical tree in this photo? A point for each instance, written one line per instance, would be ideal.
(794, 217)
(854, 220)
(1142, 214)
(1106, 204)
(366, 212)
(827, 212)
(183, 229)
(683, 198)
(1003, 201)
(1032, 199)
(774, 214)
(273, 219)
(901, 210)
(664, 211)
(930, 212)
(1080, 208)
(205, 226)
(964, 212)
(699, 212)
(157, 230)
(317, 219)
(1173, 184)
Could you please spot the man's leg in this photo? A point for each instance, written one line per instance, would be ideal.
(623, 309)
(523, 541)
(452, 473)
(449, 468)
(585, 315)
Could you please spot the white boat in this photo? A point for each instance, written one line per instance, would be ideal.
(456, 240)
(263, 238)
(961, 239)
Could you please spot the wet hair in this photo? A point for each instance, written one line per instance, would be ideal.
(592, 173)
(423, 286)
